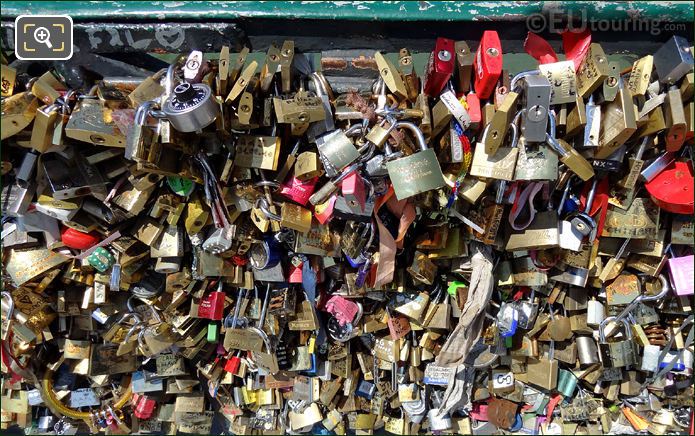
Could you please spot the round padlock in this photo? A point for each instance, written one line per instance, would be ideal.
(672, 189)
(265, 254)
(101, 259)
(180, 185)
(191, 108)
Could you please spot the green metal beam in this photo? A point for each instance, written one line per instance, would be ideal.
(672, 11)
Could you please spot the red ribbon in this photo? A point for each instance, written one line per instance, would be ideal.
(540, 49)
(575, 44)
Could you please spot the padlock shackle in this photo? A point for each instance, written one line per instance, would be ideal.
(169, 83)
(415, 130)
(552, 123)
(665, 288)
(131, 308)
(142, 112)
(520, 76)
(319, 85)
(590, 196)
(10, 307)
(264, 206)
(604, 323)
(515, 134)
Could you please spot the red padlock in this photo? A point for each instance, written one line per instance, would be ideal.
(487, 64)
(354, 192)
(296, 265)
(78, 240)
(473, 103)
(440, 67)
(143, 406)
(299, 191)
(324, 211)
(233, 364)
(672, 189)
(211, 306)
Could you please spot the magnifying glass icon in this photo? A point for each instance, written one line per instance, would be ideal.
(43, 36)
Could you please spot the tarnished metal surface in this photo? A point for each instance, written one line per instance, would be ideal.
(353, 10)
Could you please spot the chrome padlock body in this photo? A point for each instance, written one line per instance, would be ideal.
(417, 173)
(587, 352)
(191, 108)
(650, 358)
(582, 223)
(618, 354)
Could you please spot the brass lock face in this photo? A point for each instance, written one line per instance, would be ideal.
(414, 174)
(92, 122)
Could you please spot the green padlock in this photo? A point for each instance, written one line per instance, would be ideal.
(180, 185)
(213, 332)
(101, 259)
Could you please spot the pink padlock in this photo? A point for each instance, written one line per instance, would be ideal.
(354, 192)
(682, 274)
(342, 309)
(324, 212)
(295, 273)
(299, 191)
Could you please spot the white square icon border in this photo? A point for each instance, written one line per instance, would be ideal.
(17, 42)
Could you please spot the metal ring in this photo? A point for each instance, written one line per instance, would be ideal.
(262, 204)
(268, 183)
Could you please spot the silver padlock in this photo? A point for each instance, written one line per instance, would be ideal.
(220, 240)
(534, 120)
(650, 358)
(191, 107)
(438, 422)
(655, 167)
(587, 352)
(617, 354)
(582, 222)
(673, 60)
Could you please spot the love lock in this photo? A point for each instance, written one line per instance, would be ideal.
(417, 173)
(617, 354)
(581, 222)
(347, 330)
(267, 360)
(188, 107)
(416, 410)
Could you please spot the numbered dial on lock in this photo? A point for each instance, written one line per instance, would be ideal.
(191, 107)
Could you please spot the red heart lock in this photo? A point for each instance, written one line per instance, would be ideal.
(672, 189)
(78, 240)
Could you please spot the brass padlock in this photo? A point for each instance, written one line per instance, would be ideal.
(92, 122)
(17, 112)
(417, 173)
(617, 354)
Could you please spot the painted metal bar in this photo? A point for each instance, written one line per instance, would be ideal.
(672, 11)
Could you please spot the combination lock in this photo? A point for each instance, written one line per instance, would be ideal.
(191, 107)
